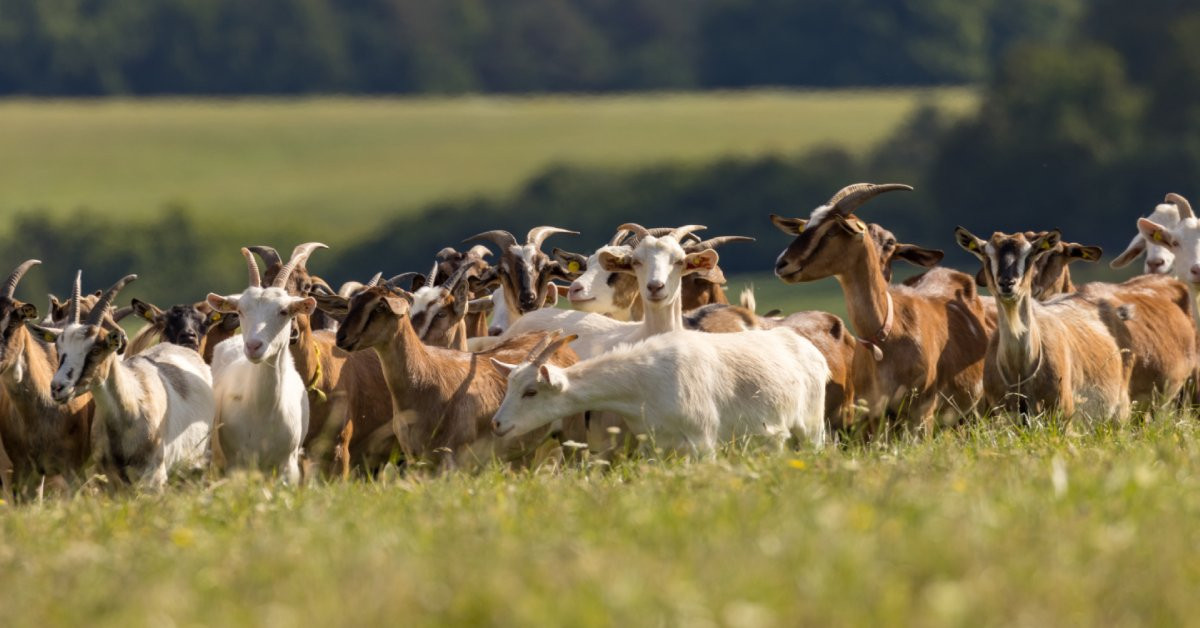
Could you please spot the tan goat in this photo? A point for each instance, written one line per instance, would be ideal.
(443, 400)
(929, 339)
(1061, 356)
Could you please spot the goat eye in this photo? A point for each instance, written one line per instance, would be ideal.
(636, 263)
(97, 350)
(283, 312)
(529, 393)
(441, 315)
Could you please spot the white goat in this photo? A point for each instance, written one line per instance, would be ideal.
(154, 411)
(690, 390)
(660, 263)
(1181, 240)
(262, 406)
(1159, 259)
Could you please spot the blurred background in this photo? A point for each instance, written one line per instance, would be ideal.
(158, 136)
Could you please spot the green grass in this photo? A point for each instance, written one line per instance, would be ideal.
(345, 163)
(983, 526)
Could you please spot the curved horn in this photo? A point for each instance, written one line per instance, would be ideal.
(374, 280)
(73, 302)
(268, 254)
(252, 267)
(401, 277)
(431, 278)
(479, 251)
(106, 299)
(853, 196)
(680, 233)
(10, 286)
(1185, 208)
(713, 243)
(499, 237)
(638, 231)
(538, 235)
(619, 237)
(299, 257)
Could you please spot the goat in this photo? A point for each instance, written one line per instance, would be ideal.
(439, 312)
(524, 271)
(443, 400)
(42, 438)
(300, 282)
(929, 340)
(690, 390)
(1159, 259)
(154, 411)
(891, 251)
(594, 289)
(1062, 355)
(448, 261)
(56, 314)
(262, 406)
(182, 324)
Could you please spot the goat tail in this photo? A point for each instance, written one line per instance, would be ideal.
(746, 298)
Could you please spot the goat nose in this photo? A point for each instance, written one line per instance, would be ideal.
(1154, 264)
(779, 265)
(253, 345)
(655, 286)
(576, 288)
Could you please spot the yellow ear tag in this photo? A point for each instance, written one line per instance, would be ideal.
(1045, 245)
(800, 228)
(973, 245)
(147, 316)
(216, 316)
(1158, 236)
(48, 337)
(573, 266)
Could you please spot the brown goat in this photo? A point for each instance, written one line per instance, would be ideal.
(42, 437)
(524, 271)
(448, 261)
(443, 400)
(1063, 355)
(929, 340)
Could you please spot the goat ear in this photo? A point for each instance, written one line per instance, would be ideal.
(305, 306)
(925, 258)
(558, 270)
(614, 263)
(488, 280)
(552, 376)
(221, 304)
(1083, 253)
(1046, 241)
(148, 311)
(790, 226)
(462, 299)
(27, 311)
(503, 368)
(1157, 233)
(332, 304)
(1135, 248)
(481, 305)
(969, 242)
(981, 278)
(573, 264)
(702, 261)
(46, 334)
(551, 296)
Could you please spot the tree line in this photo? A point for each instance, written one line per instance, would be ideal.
(227, 47)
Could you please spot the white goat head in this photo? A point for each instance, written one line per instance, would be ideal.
(266, 313)
(535, 390)
(85, 350)
(1182, 240)
(1160, 259)
(658, 262)
(594, 289)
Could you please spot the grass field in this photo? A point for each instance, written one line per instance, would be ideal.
(345, 163)
(984, 526)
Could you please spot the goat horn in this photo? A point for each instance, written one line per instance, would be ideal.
(479, 251)
(1185, 208)
(268, 255)
(321, 284)
(106, 299)
(638, 231)
(853, 196)
(619, 237)
(555, 343)
(252, 266)
(713, 243)
(374, 280)
(73, 303)
(499, 237)
(682, 232)
(401, 277)
(536, 350)
(10, 286)
(122, 312)
(431, 278)
(538, 235)
(299, 258)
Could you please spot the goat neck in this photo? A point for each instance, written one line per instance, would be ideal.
(869, 305)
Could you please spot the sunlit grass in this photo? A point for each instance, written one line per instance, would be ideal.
(986, 525)
(343, 164)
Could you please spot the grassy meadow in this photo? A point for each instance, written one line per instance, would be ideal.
(987, 525)
(343, 164)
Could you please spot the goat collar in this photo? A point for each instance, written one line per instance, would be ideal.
(313, 386)
(881, 336)
(1025, 380)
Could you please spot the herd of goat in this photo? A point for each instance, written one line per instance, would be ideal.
(472, 362)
